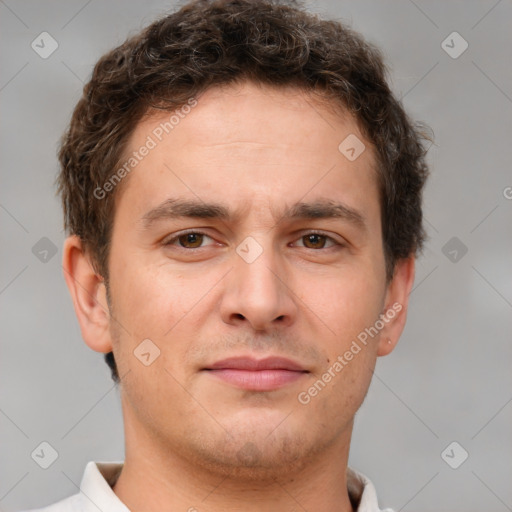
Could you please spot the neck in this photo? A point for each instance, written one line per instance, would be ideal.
(155, 478)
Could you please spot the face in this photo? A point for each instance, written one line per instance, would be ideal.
(247, 247)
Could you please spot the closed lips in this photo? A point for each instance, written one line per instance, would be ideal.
(262, 375)
(250, 364)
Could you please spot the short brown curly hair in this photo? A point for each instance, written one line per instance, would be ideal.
(216, 42)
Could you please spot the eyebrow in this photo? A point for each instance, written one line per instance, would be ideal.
(175, 208)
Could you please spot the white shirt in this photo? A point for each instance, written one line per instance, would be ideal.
(99, 477)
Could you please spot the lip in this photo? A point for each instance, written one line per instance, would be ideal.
(257, 374)
(252, 364)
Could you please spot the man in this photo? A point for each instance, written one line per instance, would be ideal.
(242, 194)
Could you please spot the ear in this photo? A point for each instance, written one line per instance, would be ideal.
(89, 296)
(396, 304)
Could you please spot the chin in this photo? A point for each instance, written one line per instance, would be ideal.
(256, 462)
(253, 454)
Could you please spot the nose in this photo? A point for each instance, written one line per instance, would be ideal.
(259, 294)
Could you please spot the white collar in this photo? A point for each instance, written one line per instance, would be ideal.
(96, 485)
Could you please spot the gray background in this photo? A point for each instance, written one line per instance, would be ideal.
(449, 378)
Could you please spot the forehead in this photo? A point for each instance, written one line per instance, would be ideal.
(253, 113)
(251, 145)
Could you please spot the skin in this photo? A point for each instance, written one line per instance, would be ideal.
(193, 440)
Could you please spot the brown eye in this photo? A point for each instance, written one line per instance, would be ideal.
(191, 240)
(314, 241)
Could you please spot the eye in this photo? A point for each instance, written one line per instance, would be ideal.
(316, 240)
(195, 239)
(188, 240)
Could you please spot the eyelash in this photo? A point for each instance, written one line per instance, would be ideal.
(175, 238)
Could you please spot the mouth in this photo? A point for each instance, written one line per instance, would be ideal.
(257, 375)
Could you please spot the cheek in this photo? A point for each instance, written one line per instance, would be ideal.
(151, 299)
(348, 303)
(347, 306)
(164, 305)
(348, 388)
(152, 304)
